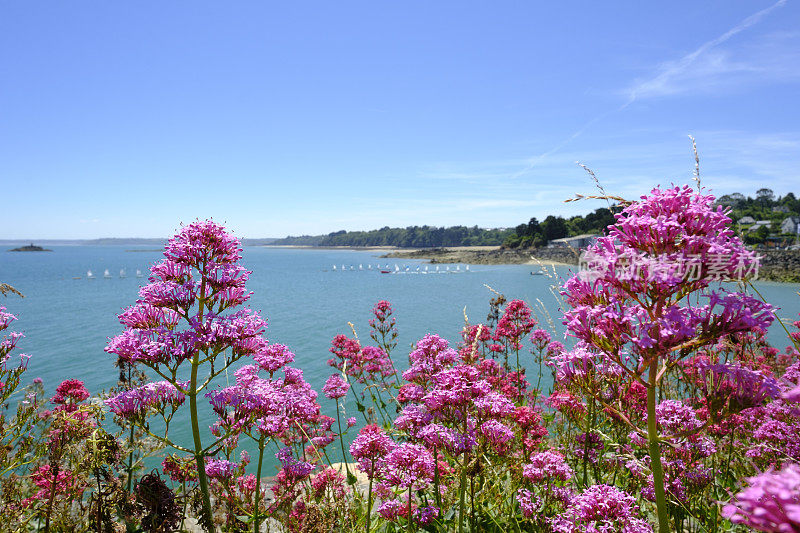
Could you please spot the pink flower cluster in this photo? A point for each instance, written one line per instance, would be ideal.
(547, 466)
(369, 448)
(770, 503)
(220, 468)
(364, 364)
(515, 323)
(70, 392)
(278, 408)
(431, 355)
(199, 272)
(7, 344)
(601, 508)
(335, 387)
(666, 223)
(136, 402)
(732, 388)
(383, 326)
(53, 481)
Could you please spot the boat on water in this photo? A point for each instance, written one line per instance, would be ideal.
(138, 273)
(107, 274)
(386, 271)
(89, 274)
(122, 273)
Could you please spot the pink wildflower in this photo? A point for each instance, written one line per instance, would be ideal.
(335, 387)
(546, 466)
(771, 502)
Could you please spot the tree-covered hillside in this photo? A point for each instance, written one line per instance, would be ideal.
(765, 206)
(418, 237)
(535, 233)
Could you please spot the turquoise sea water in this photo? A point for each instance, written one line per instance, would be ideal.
(67, 321)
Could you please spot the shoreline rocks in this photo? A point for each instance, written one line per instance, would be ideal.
(776, 265)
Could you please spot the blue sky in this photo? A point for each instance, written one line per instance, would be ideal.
(127, 118)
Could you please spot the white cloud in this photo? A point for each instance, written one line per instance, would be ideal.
(707, 68)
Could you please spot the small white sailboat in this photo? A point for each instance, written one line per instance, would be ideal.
(107, 274)
(138, 273)
(122, 273)
(396, 268)
(458, 268)
(334, 268)
(361, 266)
(89, 274)
(466, 268)
(369, 267)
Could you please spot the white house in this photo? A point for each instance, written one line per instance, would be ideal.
(578, 241)
(790, 225)
(759, 223)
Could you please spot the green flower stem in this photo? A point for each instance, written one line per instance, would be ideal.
(199, 454)
(589, 426)
(54, 469)
(257, 517)
(369, 496)
(410, 517)
(351, 479)
(130, 440)
(437, 494)
(461, 490)
(655, 451)
(185, 503)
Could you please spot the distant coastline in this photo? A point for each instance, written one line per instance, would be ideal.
(776, 265)
(490, 255)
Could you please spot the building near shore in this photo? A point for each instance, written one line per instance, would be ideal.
(791, 225)
(759, 224)
(576, 242)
